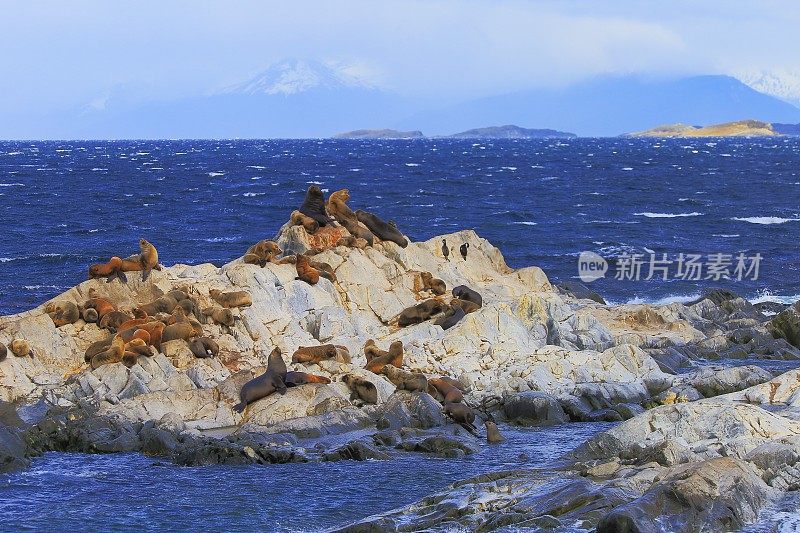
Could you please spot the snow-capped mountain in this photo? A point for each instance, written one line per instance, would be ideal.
(293, 76)
(780, 83)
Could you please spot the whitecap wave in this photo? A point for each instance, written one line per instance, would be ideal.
(412, 164)
(668, 215)
(250, 194)
(12, 184)
(215, 174)
(766, 220)
(526, 223)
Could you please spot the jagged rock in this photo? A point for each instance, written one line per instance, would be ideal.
(580, 291)
(410, 409)
(12, 446)
(786, 325)
(356, 451)
(533, 409)
(710, 382)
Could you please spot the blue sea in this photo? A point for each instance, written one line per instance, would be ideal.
(542, 202)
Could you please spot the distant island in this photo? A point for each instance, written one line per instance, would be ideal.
(511, 132)
(740, 128)
(379, 134)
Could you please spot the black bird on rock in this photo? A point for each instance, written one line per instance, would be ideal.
(464, 248)
(445, 250)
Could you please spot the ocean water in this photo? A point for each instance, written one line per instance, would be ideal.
(64, 205)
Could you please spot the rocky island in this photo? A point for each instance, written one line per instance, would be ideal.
(512, 132)
(741, 128)
(379, 134)
(696, 446)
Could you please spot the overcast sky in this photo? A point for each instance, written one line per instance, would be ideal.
(58, 54)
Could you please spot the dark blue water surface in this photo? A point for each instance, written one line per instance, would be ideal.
(542, 202)
(132, 492)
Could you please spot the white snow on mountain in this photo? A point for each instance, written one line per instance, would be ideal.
(780, 83)
(294, 76)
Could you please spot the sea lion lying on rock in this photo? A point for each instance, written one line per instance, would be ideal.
(305, 271)
(337, 207)
(352, 242)
(203, 347)
(231, 299)
(164, 304)
(134, 349)
(62, 312)
(435, 285)
(265, 384)
(220, 315)
(377, 358)
(420, 312)
(99, 304)
(361, 389)
(110, 270)
(384, 231)
(113, 354)
(113, 320)
(462, 292)
(466, 305)
(299, 219)
(410, 381)
(462, 415)
(3, 352)
(21, 348)
(262, 252)
(453, 316)
(314, 206)
(448, 393)
(314, 354)
(295, 379)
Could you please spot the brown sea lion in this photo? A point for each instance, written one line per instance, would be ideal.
(420, 312)
(361, 389)
(466, 305)
(113, 320)
(110, 270)
(100, 304)
(133, 349)
(380, 358)
(314, 354)
(134, 322)
(189, 307)
(145, 261)
(178, 294)
(21, 348)
(462, 292)
(410, 381)
(325, 270)
(461, 414)
(164, 304)
(3, 352)
(263, 252)
(231, 299)
(62, 312)
(95, 348)
(203, 347)
(314, 206)
(299, 219)
(352, 242)
(89, 315)
(220, 315)
(294, 379)
(454, 382)
(155, 328)
(343, 354)
(181, 330)
(493, 435)
(337, 207)
(435, 285)
(265, 384)
(448, 392)
(451, 318)
(382, 230)
(113, 354)
(305, 271)
(372, 351)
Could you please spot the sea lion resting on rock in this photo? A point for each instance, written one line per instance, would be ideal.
(99, 304)
(145, 261)
(337, 206)
(462, 292)
(203, 347)
(314, 354)
(113, 354)
(420, 312)
(377, 359)
(466, 305)
(295, 379)
(305, 271)
(62, 312)
(445, 390)
(110, 270)
(384, 231)
(361, 389)
(314, 206)
(299, 219)
(113, 320)
(265, 384)
(134, 349)
(410, 381)
(220, 315)
(3, 352)
(21, 348)
(462, 415)
(435, 285)
(262, 252)
(352, 242)
(453, 316)
(164, 304)
(231, 299)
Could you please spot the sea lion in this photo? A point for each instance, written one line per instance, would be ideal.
(189, 307)
(372, 351)
(179, 330)
(110, 270)
(380, 359)
(446, 390)
(145, 261)
(343, 354)
(133, 349)
(178, 294)
(164, 304)
(361, 389)
(113, 354)
(461, 414)
(295, 379)
(204, 347)
(466, 305)
(445, 250)
(314, 354)
(493, 435)
(62, 312)
(305, 271)
(314, 206)
(231, 299)
(113, 320)
(462, 292)
(265, 384)
(420, 312)
(89, 315)
(410, 381)
(451, 318)
(134, 322)
(299, 219)
(95, 348)
(100, 304)
(337, 207)
(263, 252)
(352, 242)
(325, 270)
(3, 352)
(435, 285)
(454, 382)
(21, 348)
(382, 230)
(220, 315)
(463, 249)
(155, 328)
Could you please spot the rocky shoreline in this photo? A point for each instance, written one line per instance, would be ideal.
(697, 447)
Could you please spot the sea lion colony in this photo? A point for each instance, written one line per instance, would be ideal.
(177, 315)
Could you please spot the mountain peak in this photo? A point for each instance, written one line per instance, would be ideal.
(292, 76)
